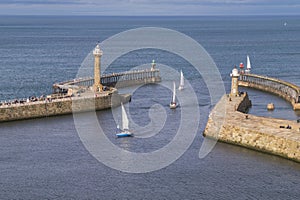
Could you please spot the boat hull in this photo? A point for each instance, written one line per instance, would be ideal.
(126, 134)
(173, 105)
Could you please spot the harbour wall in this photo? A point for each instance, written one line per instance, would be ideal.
(87, 101)
(61, 106)
(275, 136)
(283, 89)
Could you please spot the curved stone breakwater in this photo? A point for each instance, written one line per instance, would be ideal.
(274, 136)
(285, 90)
(67, 105)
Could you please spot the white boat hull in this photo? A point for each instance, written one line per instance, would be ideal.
(173, 105)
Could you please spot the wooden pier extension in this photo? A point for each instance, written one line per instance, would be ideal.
(284, 89)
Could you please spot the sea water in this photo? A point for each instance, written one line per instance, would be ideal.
(45, 158)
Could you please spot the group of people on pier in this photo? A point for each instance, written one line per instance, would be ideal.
(24, 101)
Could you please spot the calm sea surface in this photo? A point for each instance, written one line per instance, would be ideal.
(45, 159)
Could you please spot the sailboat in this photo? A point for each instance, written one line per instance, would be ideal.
(124, 132)
(181, 85)
(173, 103)
(248, 69)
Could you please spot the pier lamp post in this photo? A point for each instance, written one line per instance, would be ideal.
(234, 82)
(97, 68)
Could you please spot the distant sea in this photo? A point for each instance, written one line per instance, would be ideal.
(44, 158)
(36, 52)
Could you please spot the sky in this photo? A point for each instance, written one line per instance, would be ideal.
(149, 7)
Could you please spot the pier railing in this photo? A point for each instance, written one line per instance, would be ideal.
(122, 79)
(284, 89)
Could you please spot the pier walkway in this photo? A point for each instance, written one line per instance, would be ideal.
(75, 96)
(286, 90)
(118, 80)
(275, 136)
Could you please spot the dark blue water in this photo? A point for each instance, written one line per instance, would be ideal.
(44, 158)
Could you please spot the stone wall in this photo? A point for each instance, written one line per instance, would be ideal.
(259, 133)
(263, 141)
(297, 106)
(60, 106)
(282, 94)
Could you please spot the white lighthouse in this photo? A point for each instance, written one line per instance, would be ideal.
(97, 68)
(234, 82)
(153, 64)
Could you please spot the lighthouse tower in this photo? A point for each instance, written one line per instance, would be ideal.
(234, 82)
(97, 68)
(153, 64)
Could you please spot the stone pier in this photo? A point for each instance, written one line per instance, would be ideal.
(62, 106)
(286, 90)
(228, 124)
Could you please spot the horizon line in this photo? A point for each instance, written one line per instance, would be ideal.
(213, 15)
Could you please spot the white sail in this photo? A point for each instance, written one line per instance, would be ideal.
(248, 63)
(181, 85)
(125, 122)
(174, 93)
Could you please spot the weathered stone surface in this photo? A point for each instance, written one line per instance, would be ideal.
(259, 133)
(61, 106)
